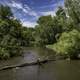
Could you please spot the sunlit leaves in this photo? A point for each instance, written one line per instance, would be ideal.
(68, 43)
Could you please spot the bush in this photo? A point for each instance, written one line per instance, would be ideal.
(68, 44)
(4, 53)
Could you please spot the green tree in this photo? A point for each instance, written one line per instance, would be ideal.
(10, 34)
(73, 10)
(44, 30)
(27, 36)
(5, 12)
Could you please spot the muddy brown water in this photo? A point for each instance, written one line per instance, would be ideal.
(55, 70)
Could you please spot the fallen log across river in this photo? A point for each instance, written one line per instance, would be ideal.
(25, 64)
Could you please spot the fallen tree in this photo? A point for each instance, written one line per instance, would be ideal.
(26, 64)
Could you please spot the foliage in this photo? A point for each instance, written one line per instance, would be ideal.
(10, 34)
(68, 44)
(48, 27)
(44, 31)
(73, 10)
(27, 36)
(5, 12)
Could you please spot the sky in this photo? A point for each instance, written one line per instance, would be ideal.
(28, 11)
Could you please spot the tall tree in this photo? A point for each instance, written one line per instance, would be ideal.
(73, 9)
(5, 12)
(10, 33)
(44, 30)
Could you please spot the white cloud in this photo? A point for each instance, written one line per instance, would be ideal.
(29, 24)
(17, 5)
(33, 13)
(25, 8)
(52, 13)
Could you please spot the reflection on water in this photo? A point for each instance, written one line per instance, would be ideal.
(58, 70)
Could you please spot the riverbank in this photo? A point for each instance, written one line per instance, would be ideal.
(66, 55)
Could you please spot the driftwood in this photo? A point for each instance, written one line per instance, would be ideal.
(25, 64)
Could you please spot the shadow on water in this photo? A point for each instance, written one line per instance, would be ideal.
(39, 71)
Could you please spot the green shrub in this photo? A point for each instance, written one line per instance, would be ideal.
(68, 44)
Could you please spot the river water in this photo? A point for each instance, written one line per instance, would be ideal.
(55, 70)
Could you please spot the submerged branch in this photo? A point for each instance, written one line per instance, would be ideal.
(26, 64)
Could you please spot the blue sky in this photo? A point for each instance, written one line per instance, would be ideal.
(28, 11)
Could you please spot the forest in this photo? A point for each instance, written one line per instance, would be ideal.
(60, 32)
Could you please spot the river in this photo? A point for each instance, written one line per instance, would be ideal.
(55, 70)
